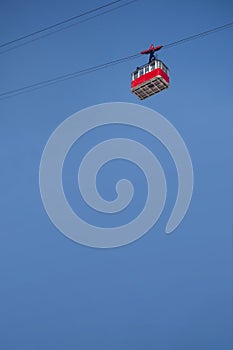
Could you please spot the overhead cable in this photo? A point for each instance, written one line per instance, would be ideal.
(91, 69)
(58, 24)
(59, 29)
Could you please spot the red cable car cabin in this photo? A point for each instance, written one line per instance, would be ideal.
(150, 79)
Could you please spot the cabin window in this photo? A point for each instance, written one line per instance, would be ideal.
(152, 66)
(165, 69)
(146, 69)
(136, 75)
(141, 72)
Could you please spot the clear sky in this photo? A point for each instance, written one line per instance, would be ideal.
(163, 292)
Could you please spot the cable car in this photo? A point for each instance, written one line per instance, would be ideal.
(150, 78)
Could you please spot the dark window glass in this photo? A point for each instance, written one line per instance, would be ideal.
(152, 65)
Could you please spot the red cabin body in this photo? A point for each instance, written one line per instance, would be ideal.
(150, 79)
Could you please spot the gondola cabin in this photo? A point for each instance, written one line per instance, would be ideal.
(150, 79)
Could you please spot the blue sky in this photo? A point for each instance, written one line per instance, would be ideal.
(160, 292)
